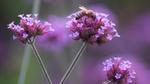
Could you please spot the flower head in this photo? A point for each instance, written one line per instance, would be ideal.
(29, 27)
(91, 26)
(119, 71)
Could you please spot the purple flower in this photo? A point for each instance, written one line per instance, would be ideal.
(91, 27)
(119, 71)
(29, 27)
(55, 41)
(92, 70)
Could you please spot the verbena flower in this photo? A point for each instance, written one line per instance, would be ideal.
(119, 71)
(29, 27)
(91, 27)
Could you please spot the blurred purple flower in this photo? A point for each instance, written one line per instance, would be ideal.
(29, 27)
(91, 27)
(134, 37)
(104, 9)
(55, 41)
(139, 29)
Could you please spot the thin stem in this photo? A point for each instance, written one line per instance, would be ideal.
(74, 62)
(41, 63)
(24, 65)
(36, 6)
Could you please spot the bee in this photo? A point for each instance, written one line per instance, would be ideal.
(84, 12)
(79, 14)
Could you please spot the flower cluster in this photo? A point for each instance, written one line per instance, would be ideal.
(91, 27)
(119, 71)
(29, 27)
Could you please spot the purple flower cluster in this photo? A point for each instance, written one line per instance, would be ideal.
(91, 27)
(119, 71)
(29, 27)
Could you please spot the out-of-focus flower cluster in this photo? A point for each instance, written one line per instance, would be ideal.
(119, 71)
(55, 41)
(91, 27)
(104, 9)
(29, 27)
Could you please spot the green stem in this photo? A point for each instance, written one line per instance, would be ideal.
(74, 62)
(36, 6)
(41, 63)
(24, 65)
(27, 51)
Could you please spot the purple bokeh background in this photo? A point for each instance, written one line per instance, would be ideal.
(132, 19)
